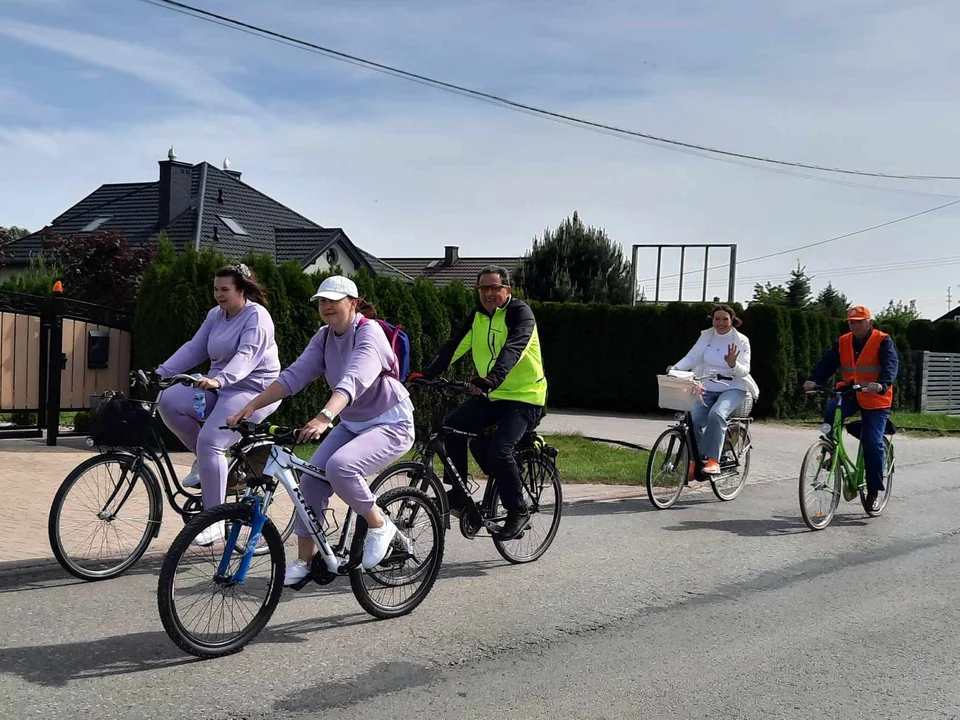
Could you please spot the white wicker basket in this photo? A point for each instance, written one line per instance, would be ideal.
(677, 393)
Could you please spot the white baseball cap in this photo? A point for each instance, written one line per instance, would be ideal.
(337, 287)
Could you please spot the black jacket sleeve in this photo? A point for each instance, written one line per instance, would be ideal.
(520, 325)
(446, 352)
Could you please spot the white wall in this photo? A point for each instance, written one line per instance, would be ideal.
(343, 261)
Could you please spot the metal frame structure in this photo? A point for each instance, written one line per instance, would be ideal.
(732, 284)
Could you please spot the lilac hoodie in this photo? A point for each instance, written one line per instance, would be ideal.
(242, 350)
(353, 364)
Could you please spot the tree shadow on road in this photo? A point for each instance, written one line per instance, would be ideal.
(765, 527)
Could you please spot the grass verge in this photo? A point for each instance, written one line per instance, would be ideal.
(580, 461)
(934, 423)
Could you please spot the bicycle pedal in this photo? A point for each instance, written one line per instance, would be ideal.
(300, 584)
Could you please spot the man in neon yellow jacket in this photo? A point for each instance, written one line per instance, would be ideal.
(510, 391)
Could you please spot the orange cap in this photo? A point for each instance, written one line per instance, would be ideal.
(858, 312)
(58, 287)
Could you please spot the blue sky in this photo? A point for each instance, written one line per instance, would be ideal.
(95, 91)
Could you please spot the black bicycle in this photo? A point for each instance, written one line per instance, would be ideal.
(109, 508)
(539, 476)
(675, 458)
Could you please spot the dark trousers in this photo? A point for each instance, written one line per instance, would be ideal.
(493, 453)
(871, 437)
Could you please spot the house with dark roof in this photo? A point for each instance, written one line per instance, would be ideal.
(443, 271)
(201, 206)
(951, 315)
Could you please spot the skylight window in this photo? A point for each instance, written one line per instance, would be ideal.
(235, 227)
(94, 224)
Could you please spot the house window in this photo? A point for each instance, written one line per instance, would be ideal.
(235, 227)
(94, 224)
(332, 257)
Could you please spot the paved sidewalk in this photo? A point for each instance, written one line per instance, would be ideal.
(31, 473)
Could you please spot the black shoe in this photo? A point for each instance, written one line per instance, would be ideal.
(872, 499)
(515, 524)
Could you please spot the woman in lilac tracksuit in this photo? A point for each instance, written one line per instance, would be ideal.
(237, 338)
(376, 417)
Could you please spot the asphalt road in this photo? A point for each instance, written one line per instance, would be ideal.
(708, 610)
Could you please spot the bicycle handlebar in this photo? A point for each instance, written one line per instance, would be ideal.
(454, 387)
(280, 434)
(148, 379)
(839, 391)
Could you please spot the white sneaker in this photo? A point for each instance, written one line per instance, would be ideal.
(296, 571)
(376, 547)
(210, 535)
(192, 478)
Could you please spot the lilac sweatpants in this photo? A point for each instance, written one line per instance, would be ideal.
(347, 458)
(208, 441)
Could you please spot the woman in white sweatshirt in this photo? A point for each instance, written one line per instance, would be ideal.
(723, 350)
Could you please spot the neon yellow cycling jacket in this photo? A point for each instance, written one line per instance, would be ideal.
(505, 349)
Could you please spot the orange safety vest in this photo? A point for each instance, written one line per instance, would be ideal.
(865, 369)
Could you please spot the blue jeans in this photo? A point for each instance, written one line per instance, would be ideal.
(871, 437)
(710, 420)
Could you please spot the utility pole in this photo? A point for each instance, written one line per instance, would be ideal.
(949, 298)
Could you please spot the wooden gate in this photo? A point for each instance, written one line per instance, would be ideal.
(54, 354)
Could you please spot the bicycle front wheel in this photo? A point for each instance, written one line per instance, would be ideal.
(884, 497)
(104, 516)
(667, 468)
(819, 487)
(209, 614)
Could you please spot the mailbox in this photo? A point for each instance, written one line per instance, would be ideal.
(98, 349)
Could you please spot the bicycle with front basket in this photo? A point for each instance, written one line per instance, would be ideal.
(539, 479)
(827, 471)
(675, 459)
(196, 583)
(118, 490)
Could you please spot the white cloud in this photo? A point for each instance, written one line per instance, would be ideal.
(178, 76)
(410, 170)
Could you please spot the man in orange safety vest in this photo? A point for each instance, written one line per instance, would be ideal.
(868, 357)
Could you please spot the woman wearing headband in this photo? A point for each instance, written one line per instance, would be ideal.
(237, 338)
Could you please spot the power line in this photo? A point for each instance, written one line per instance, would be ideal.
(814, 244)
(666, 143)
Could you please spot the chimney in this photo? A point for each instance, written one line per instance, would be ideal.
(175, 181)
(228, 171)
(451, 255)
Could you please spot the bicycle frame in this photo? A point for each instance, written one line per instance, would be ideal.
(849, 470)
(284, 468)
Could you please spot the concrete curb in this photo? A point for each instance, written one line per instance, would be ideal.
(15, 568)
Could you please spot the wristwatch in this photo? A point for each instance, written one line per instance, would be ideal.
(327, 414)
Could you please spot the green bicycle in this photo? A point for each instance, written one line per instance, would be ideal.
(827, 471)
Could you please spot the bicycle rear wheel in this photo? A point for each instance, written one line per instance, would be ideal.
(405, 577)
(210, 615)
(104, 516)
(667, 468)
(819, 487)
(884, 497)
(540, 481)
(733, 475)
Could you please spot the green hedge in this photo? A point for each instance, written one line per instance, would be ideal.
(176, 294)
(596, 357)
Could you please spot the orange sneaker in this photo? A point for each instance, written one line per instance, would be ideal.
(712, 467)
